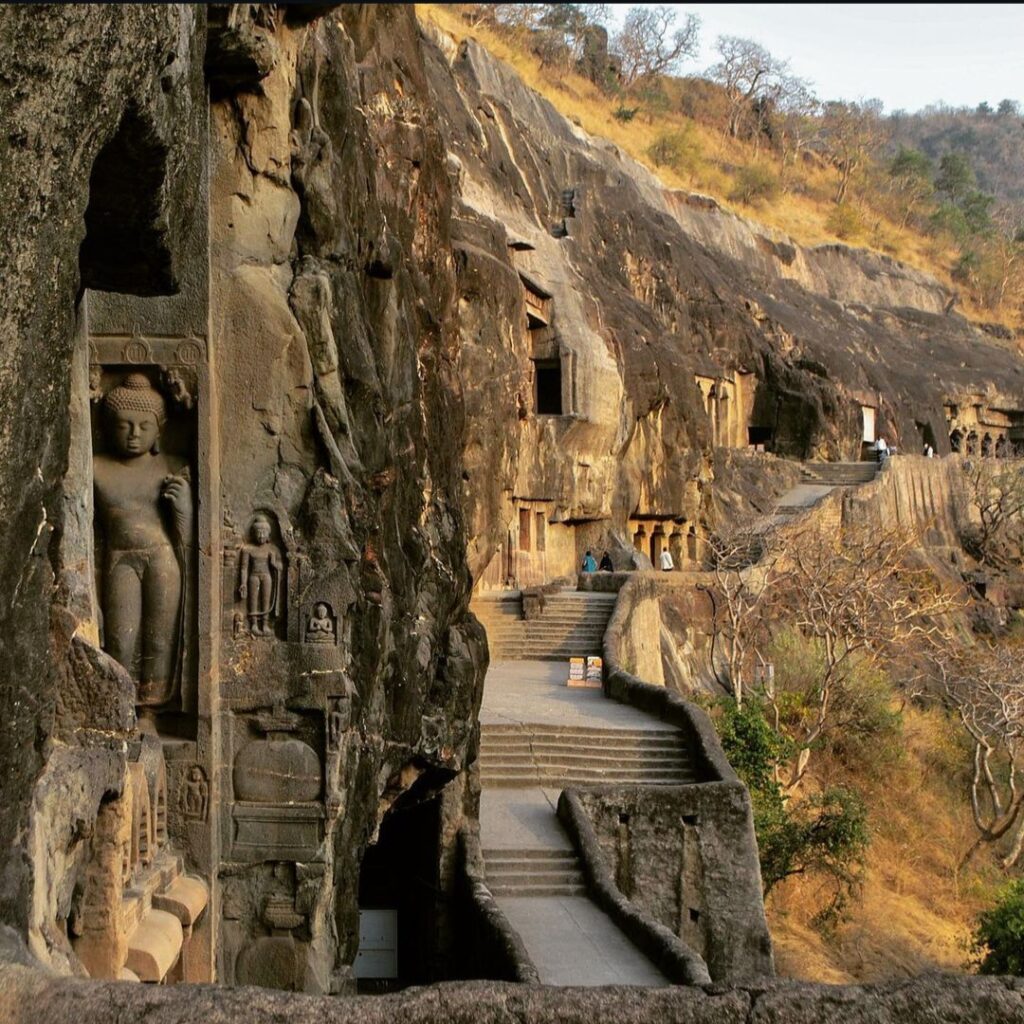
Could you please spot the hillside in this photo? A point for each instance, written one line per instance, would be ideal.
(742, 174)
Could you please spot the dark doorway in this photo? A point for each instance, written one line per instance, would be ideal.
(548, 374)
(399, 874)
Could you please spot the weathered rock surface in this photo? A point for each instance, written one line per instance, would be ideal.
(27, 996)
(648, 289)
(70, 73)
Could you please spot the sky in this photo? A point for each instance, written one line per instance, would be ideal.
(908, 55)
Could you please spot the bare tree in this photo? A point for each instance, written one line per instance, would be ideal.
(859, 595)
(984, 688)
(799, 121)
(995, 494)
(746, 70)
(650, 44)
(851, 132)
(744, 567)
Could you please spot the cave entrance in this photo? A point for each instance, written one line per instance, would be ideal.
(927, 435)
(400, 902)
(548, 386)
(759, 438)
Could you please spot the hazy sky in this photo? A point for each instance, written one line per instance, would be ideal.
(908, 55)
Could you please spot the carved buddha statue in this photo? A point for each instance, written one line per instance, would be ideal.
(145, 527)
(320, 629)
(260, 583)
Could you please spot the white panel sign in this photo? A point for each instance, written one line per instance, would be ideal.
(378, 944)
(869, 423)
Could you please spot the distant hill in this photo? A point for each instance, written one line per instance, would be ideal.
(992, 139)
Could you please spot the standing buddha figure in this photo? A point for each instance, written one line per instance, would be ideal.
(144, 515)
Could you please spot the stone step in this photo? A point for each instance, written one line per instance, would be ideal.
(560, 750)
(528, 853)
(515, 775)
(546, 729)
(568, 759)
(504, 654)
(509, 878)
(552, 620)
(538, 890)
(611, 747)
(528, 782)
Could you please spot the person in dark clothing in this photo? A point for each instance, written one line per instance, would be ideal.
(606, 563)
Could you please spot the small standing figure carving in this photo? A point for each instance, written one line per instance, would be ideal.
(260, 586)
(196, 794)
(321, 625)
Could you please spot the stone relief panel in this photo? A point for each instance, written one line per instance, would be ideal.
(194, 798)
(278, 785)
(261, 579)
(322, 625)
(144, 427)
(268, 911)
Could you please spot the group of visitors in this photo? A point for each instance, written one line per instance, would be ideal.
(590, 564)
(883, 450)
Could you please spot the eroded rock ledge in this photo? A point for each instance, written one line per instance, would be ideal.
(27, 996)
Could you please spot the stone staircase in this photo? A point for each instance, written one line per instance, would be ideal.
(538, 872)
(571, 625)
(839, 474)
(521, 755)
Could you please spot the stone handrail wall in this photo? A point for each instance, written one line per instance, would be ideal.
(501, 948)
(673, 957)
(739, 944)
(914, 492)
(622, 685)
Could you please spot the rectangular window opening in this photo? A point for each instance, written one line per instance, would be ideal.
(548, 388)
(524, 529)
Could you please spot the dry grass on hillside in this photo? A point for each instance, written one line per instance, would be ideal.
(712, 160)
(916, 910)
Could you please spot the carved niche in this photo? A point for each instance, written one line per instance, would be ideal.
(263, 583)
(322, 625)
(144, 427)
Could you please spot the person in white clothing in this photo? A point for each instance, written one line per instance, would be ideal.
(666, 560)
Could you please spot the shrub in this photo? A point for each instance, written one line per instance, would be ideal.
(826, 833)
(625, 114)
(676, 150)
(845, 222)
(998, 941)
(755, 184)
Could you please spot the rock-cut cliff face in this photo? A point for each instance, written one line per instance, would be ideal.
(234, 222)
(396, 328)
(675, 326)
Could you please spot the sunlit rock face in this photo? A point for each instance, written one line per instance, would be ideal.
(676, 327)
(235, 590)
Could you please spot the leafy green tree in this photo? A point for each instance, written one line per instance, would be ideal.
(998, 941)
(755, 184)
(956, 179)
(911, 176)
(825, 834)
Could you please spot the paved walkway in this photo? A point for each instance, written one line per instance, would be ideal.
(573, 942)
(569, 938)
(535, 692)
